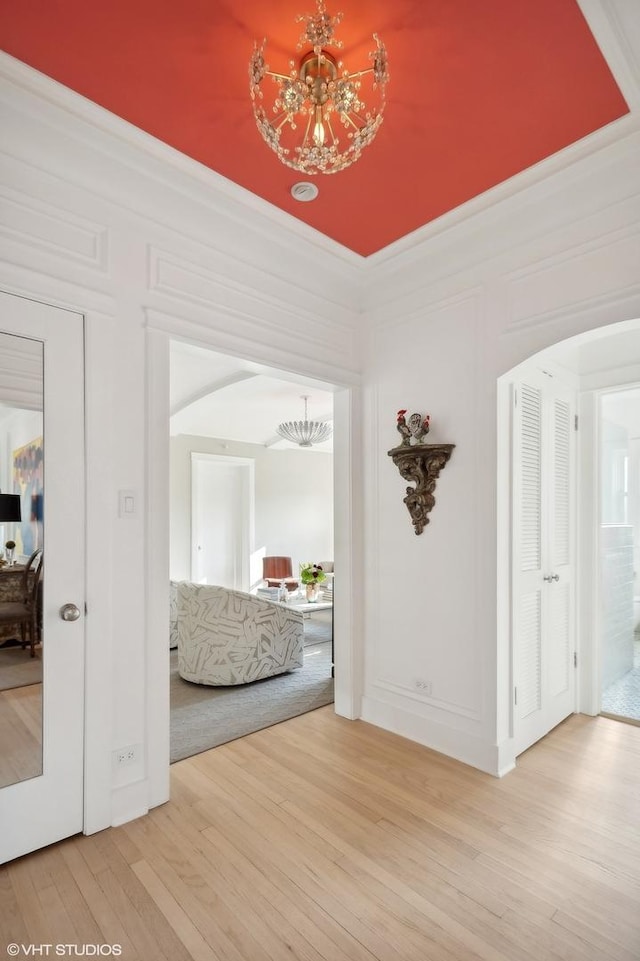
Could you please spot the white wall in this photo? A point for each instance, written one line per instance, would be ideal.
(616, 566)
(102, 219)
(293, 500)
(447, 319)
(614, 452)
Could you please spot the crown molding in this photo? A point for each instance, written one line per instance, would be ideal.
(490, 208)
(64, 109)
(616, 29)
(614, 24)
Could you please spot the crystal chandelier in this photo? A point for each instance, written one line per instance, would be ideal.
(305, 433)
(318, 94)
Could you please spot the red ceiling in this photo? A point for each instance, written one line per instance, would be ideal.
(479, 90)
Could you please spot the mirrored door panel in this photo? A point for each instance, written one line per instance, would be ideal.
(21, 557)
(41, 649)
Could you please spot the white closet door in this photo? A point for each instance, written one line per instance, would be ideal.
(560, 679)
(543, 549)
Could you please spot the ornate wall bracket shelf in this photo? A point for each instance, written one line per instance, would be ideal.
(421, 464)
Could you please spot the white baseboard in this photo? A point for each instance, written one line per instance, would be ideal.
(459, 745)
(129, 802)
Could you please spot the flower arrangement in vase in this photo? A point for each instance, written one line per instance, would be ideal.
(312, 577)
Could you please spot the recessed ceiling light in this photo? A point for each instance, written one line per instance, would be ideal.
(304, 192)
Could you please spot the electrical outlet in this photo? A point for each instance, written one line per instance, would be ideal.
(125, 755)
(424, 686)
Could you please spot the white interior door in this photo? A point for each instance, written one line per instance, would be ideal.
(41, 365)
(222, 509)
(543, 557)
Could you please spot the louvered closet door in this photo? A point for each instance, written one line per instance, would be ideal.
(543, 548)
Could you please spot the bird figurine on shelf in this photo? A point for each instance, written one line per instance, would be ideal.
(403, 428)
(419, 426)
(413, 430)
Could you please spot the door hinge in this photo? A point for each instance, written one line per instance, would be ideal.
(575, 422)
(515, 695)
(575, 658)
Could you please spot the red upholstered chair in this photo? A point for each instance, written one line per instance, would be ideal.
(278, 569)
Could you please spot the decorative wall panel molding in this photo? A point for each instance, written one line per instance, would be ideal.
(30, 221)
(615, 25)
(249, 297)
(226, 332)
(474, 243)
(558, 285)
(438, 703)
(155, 180)
(422, 306)
(467, 742)
(626, 302)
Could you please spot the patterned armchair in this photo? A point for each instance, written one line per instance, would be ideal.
(173, 614)
(228, 637)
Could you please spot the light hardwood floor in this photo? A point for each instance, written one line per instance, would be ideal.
(326, 840)
(20, 733)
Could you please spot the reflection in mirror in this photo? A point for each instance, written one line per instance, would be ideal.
(21, 557)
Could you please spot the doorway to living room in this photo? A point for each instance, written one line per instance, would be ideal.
(240, 493)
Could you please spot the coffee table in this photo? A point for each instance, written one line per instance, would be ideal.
(301, 604)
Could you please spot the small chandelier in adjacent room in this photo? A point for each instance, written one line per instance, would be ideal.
(305, 433)
(316, 97)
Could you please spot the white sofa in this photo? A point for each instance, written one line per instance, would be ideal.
(228, 637)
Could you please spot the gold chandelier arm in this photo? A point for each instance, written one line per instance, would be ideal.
(360, 73)
(333, 136)
(279, 126)
(355, 126)
(305, 139)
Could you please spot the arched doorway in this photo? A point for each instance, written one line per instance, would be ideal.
(586, 365)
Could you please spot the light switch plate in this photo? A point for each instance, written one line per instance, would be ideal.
(127, 504)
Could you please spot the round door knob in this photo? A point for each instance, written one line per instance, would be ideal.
(69, 612)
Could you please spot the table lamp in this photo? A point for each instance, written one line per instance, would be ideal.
(10, 508)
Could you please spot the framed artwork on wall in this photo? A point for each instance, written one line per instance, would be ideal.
(28, 481)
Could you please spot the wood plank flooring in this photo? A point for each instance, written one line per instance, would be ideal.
(327, 840)
(20, 734)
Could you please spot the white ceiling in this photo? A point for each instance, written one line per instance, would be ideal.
(594, 356)
(21, 374)
(214, 395)
(596, 353)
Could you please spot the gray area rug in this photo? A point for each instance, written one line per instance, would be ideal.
(18, 669)
(203, 717)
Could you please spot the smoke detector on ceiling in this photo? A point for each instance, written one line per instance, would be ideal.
(304, 192)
